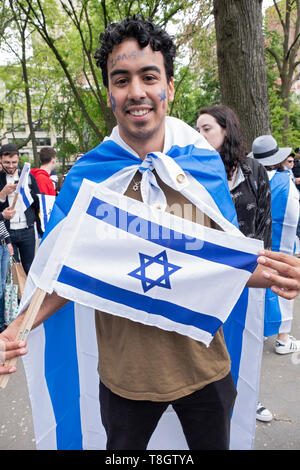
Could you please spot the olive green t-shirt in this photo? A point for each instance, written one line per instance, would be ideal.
(142, 362)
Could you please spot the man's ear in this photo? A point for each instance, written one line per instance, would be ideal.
(171, 90)
(108, 98)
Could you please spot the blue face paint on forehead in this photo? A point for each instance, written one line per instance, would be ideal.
(131, 55)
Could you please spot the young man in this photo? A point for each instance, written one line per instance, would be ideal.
(21, 226)
(42, 174)
(142, 368)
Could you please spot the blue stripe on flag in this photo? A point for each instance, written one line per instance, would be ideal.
(233, 330)
(273, 316)
(24, 197)
(62, 377)
(137, 301)
(45, 215)
(170, 238)
(280, 186)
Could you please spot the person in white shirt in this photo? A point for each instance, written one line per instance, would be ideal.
(21, 226)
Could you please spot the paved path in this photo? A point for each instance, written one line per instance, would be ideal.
(280, 391)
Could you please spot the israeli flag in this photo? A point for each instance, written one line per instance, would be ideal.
(22, 188)
(285, 214)
(120, 256)
(46, 203)
(61, 366)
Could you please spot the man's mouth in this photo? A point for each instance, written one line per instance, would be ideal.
(139, 112)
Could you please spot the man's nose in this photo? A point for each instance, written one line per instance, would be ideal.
(136, 89)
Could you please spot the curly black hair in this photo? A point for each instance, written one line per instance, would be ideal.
(145, 32)
(233, 150)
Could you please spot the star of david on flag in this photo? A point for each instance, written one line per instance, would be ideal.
(148, 262)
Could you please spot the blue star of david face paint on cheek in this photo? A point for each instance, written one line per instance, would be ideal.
(113, 102)
(162, 95)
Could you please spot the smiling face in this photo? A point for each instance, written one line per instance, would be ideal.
(138, 93)
(10, 163)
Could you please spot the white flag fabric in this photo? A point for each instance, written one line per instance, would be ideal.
(61, 366)
(23, 189)
(46, 203)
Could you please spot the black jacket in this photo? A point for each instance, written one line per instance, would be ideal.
(32, 213)
(252, 200)
(296, 172)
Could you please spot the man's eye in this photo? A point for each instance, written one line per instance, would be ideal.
(121, 81)
(149, 78)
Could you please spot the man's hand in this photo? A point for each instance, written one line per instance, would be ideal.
(8, 212)
(8, 189)
(10, 348)
(286, 280)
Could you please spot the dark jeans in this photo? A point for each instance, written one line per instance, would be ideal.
(23, 242)
(204, 416)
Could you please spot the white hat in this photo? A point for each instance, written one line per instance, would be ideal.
(265, 149)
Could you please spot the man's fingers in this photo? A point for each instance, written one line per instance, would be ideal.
(286, 265)
(11, 345)
(286, 294)
(281, 267)
(281, 257)
(10, 349)
(7, 369)
(285, 287)
(14, 353)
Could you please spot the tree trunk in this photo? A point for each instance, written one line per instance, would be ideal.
(241, 64)
(28, 105)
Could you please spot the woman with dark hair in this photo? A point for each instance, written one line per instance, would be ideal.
(247, 179)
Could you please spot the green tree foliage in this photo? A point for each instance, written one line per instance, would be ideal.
(282, 27)
(280, 114)
(68, 91)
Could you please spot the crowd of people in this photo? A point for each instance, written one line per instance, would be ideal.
(136, 59)
(20, 226)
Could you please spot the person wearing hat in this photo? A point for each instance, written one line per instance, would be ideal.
(21, 225)
(285, 214)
